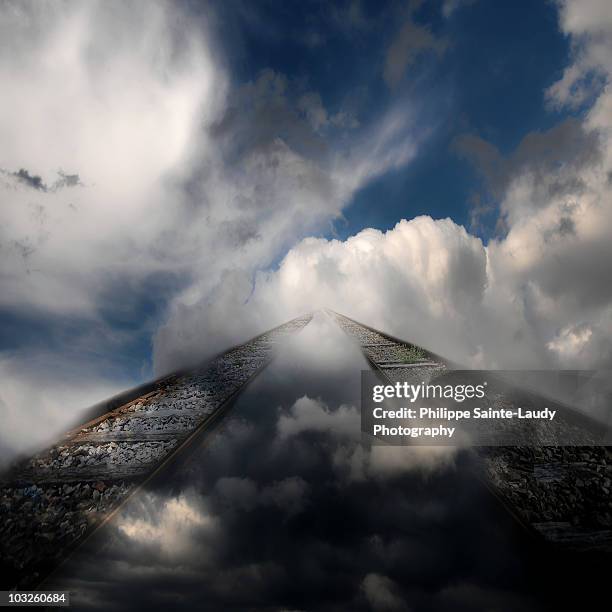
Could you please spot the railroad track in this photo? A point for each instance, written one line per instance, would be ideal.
(51, 502)
(559, 493)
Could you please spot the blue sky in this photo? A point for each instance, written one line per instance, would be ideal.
(490, 81)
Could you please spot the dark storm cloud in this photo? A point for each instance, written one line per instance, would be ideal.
(259, 520)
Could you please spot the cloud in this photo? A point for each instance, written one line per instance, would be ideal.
(271, 190)
(243, 494)
(35, 413)
(381, 593)
(352, 461)
(424, 279)
(554, 158)
(23, 177)
(450, 6)
(311, 415)
(133, 92)
(311, 105)
(462, 596)
(411, 41)
(168, 526)
(571, 340)
(590, 26)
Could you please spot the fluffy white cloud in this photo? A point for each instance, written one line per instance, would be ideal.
(114, 94)
(536, 298)
(425, 279)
